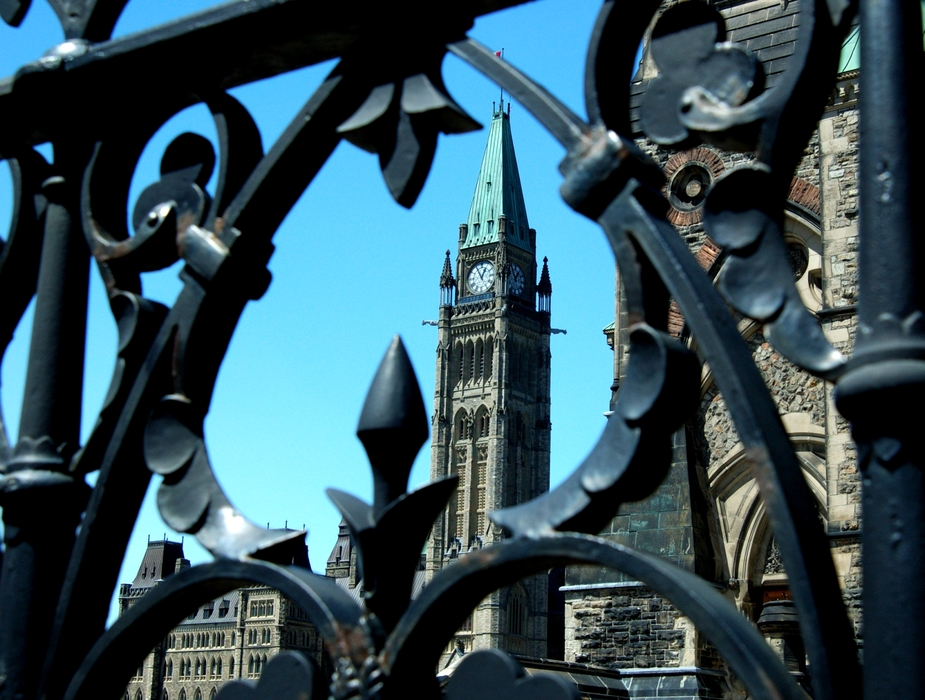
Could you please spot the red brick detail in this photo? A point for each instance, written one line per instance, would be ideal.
(705, 257)
(805, 194)
(675, 319)
(684, 218)
(707, 254)
(700, 154)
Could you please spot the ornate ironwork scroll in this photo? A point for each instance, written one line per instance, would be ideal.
(386, 95)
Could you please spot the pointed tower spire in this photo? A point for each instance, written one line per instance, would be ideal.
(447, 283)
(498, 192)
(544, 290)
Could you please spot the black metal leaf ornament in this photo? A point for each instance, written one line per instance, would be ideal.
(163, 211)
(490, 674)
(688, 50)
(389, 534)
(92, 20)
(743, 215)
(190, 498)
(13, 11)
(400, 121)
(288, 676)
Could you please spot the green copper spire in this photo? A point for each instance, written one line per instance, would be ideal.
(498, 191)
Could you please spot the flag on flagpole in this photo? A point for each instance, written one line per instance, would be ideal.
(500, 54)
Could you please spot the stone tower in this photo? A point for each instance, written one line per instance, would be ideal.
(491, 400)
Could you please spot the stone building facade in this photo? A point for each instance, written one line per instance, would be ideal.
(708, 516)
(491, 423)
(229, 638)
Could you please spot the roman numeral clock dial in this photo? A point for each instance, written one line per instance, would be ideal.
(481, 277)
(516, 284)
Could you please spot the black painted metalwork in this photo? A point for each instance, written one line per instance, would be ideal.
(391, 100)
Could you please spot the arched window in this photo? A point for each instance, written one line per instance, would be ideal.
(489, 354)
(463, 428)
(482, 423)
(139, 695)
(198, 695)
(458, 361)
(218, 666)
(169, 673)
(231, 668)
(212, 694)
(517, 613)
(182, 694)
(470, 362)
(479, 370)
(250, 665)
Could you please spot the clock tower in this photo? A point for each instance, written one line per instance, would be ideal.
(491, 423)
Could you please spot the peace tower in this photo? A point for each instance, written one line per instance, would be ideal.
(491, 399)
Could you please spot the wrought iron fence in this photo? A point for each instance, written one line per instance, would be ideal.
(388, 96)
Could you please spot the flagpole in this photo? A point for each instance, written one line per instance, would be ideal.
(500, 54)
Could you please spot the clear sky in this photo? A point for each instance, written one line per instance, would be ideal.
(351, 269)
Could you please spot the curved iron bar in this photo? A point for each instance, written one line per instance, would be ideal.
(632, 456)
(109, 665)
(594, 179)
(20, 253)
(559, 120)
(448, 599)
(141, 376)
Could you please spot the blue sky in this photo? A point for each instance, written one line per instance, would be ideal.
(351, 269)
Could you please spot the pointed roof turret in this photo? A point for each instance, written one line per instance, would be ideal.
(446, 277)
(544, 289)
(447, 283)
(498, 191)
(338, 564)
(159, 562)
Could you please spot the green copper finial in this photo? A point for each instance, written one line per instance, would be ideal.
(498, 191)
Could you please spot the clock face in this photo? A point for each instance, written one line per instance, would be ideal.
(516, 282)
(481, 277)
